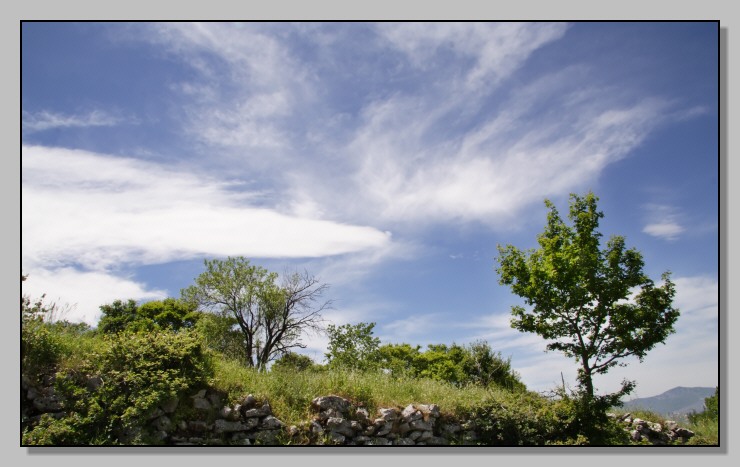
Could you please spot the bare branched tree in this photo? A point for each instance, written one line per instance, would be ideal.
(272, 318)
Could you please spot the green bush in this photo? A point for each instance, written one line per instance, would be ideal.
(139, 371)
(474, 364)
(170, 313)
(220, 333)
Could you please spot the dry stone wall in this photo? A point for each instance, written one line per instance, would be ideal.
(204, 418)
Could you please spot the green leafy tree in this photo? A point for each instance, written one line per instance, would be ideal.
(271, 317)
(220, 332)
(170, 313)
(291, 361)
(579, 294)
(119, 315)
(474, 364)
(484, 367)
(353, 346)
(399, 359)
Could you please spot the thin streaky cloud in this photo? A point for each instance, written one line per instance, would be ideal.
(47, 120)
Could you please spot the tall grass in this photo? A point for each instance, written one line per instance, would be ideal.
(290, 392)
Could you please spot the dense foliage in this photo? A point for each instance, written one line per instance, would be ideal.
(170, 313)
(109, 395)
(579, 295)
(353, 346)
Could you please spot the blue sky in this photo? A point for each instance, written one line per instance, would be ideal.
(387, 159)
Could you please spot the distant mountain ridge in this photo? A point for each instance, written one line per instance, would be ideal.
(678, 401)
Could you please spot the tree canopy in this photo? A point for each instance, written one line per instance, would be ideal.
(592, 304)
(271, 317)
(169, 313)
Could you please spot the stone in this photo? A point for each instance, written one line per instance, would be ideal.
(251, 423)
(414, 435)
(383, 429)
(248, 402)
(450, 429)
(268, 437)
(261, 412)
(403, 442)
(215, 399)
(337, 403)
(362, 415)
(271, 423)
(330, 413)
(160, 435)
(32, 393)
(197, 426)
(421, 425)
(162, 423)
(157, 412)
(378, 442)
(362, 439)
(199, 395)
(670, 425)
(431, 410)
(226, 412)
(404, 428)
(684, 433)
(48, 403)
(410, 413)
(425, 436)
(225, 426)
(635, 435)
(200, 403)
(339, 425)
(316, 428)
(437, 441)
(388, 414)
(655, 427)
(170, 405)
(336, 438)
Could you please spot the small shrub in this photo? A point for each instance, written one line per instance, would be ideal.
(139, 371)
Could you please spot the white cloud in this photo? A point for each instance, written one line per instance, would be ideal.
(664, 222)
(82, 293)
(665, 230)
(497, 49)
(100, 212)
(46, 120)
(497, 168)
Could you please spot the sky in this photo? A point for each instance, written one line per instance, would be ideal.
(387, 159)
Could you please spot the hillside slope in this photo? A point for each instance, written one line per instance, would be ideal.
(677, 401)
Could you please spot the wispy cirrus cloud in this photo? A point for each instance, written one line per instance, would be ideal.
(465, 146)
(664, 222)
(46, 120)
(496, 49)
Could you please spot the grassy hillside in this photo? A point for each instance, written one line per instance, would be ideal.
(137, 371)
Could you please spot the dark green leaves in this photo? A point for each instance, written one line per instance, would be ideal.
(579, 296)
